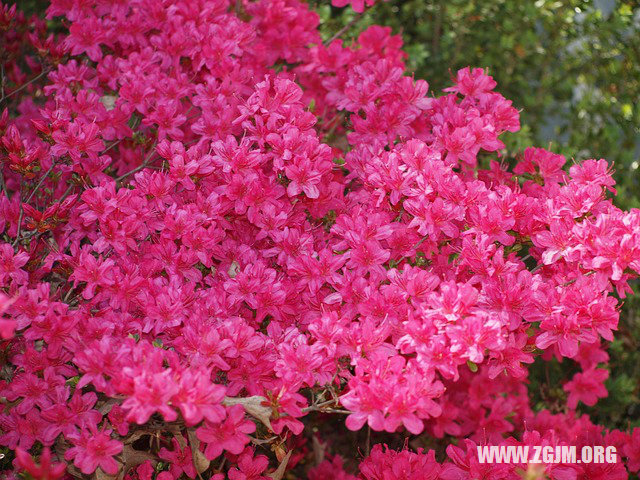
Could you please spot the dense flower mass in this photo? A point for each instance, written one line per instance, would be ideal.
(220, 234)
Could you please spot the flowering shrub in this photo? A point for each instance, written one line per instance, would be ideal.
(221, 235)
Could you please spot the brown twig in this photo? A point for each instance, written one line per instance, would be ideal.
(144, 163)
(319, 406)
(368, 445)
(42, 179)
(37, 77)
(15, 242)
(2, 82)
(3, 186)
(40, 182)
(339, 33)
(111, 146)
(66, 193)
(420, 242)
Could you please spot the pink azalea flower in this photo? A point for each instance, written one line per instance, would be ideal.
(92, 449)
(45, 471)
(586, 387)
(229, 435)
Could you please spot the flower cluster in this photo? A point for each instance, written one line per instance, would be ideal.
(219, 234)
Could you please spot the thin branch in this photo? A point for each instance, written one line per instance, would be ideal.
(221, 466)
(2, 82)
(339, 33)
(39, 184)
(368, 446)
(538, 267)
(66, 193)
(420, 242)
(111, 146)
(3, 186)
(15, 242)
(37, 77)
(570, 282)
(144, 164)
(262, 441)
(131, 172)
(67, 295)
(318, 406)
(335, 410)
